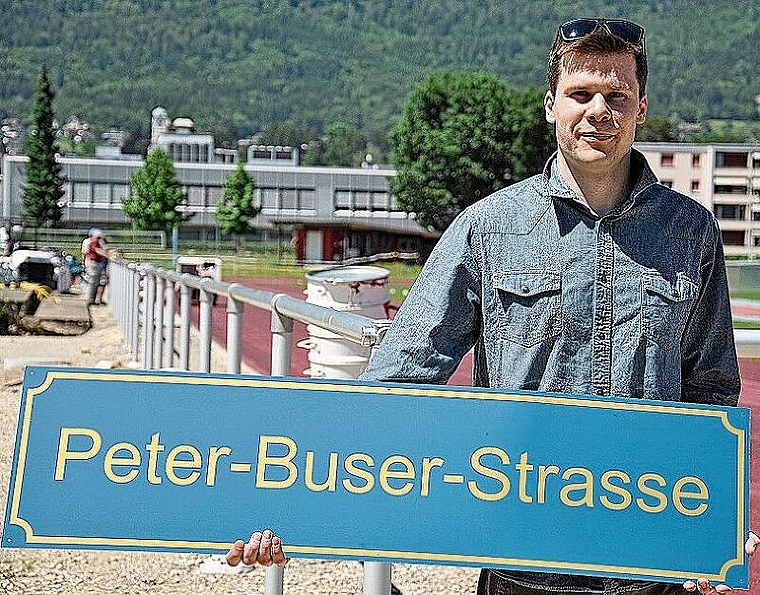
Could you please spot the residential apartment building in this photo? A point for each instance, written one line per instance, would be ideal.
(725, 178)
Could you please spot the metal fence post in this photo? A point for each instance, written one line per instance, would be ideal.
(148, 321)
(158, 349)
(205, 324)
(282, 340)
(377, 578)
(185, 297)
(169, 323)
(134, 310)
(274, 580)
(234, 331)
(378, 575)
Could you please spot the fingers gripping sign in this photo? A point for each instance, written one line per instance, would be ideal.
(704, 587)
(263, 548)
(752, 544)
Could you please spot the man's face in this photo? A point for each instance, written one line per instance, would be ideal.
(596, 109)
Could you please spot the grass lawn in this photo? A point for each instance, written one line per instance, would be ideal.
(268, 265)
(746, 294)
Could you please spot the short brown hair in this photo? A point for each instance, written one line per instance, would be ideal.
(600, 41)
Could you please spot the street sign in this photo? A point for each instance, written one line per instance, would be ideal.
(174, 461)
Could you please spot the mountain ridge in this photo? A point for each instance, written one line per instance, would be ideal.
(238, 66)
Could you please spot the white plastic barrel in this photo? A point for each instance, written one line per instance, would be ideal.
(357, 289)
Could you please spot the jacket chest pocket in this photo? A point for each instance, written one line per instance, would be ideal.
(665, 306)
(529, 305)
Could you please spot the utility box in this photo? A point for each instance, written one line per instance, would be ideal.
(201, 266)
(35, 266)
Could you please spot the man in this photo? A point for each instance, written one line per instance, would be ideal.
(590, 278)
(94, 256)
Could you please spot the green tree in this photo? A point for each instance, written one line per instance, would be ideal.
(69, 146)
(44, 185)
(657, 129)
(342, 146)
(461, 137)
(236, 210)
(287, 133)
(533, 139)
(156, 195)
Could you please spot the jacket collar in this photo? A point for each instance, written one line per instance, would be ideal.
(554, 185)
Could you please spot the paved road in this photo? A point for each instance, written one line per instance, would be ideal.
(256, 354)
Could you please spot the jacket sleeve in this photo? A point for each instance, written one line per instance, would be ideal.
(709, 368)
(440, 319)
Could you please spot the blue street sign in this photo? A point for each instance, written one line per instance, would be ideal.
(176, 461)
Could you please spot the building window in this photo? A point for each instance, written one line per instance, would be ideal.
(667, 183)
(269, 198)
(731, 212)
(307, 200)
(695, 185)
(695, 160)
(196, 196)
(380, 201)
(68, 190)
(730, 189)
(733, 237)
(120, 191)
(289, 198)
(342, 199)
(361, 200)
(81, 192)
(214, 194)
(723, 159)
(100, 193)
(666, 160)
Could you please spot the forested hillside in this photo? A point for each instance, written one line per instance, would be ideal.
(238, 66)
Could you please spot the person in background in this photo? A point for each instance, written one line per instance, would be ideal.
(104, 277)
(94, 255)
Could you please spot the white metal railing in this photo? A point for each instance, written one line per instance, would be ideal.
(143, 301)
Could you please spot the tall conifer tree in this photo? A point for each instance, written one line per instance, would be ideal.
(44, 185)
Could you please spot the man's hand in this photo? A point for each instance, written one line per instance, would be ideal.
(263, 548)
(704, 587)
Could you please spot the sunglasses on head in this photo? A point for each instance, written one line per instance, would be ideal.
(580, 28)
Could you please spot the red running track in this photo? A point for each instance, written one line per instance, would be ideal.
(256, 354)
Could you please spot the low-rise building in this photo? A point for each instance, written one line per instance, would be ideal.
(725, 178)
(332, 213)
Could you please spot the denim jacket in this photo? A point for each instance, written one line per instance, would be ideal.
(555, 298)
